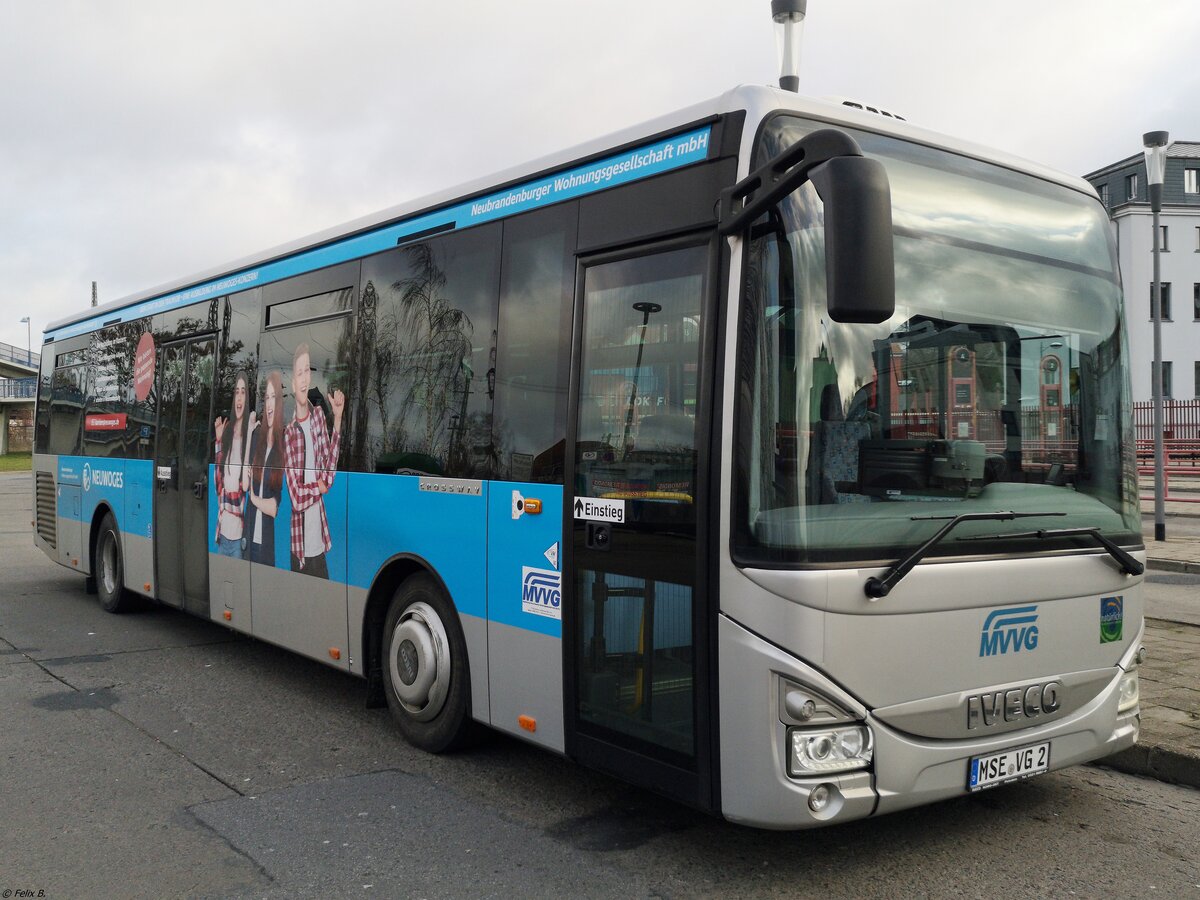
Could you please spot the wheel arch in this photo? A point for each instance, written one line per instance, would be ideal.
(393, 573)
(103, 508)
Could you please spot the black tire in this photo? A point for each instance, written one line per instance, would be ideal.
(426, 677)
(108, 568)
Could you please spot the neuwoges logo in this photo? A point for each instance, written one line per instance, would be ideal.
(101, 478)
(1012, 629)
(541, 592)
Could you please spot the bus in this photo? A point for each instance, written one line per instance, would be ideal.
(773, 455)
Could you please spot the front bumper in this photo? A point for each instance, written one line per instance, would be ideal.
(906, 771)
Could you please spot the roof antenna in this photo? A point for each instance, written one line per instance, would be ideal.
(789, 28)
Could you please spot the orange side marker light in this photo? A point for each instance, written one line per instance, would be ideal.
(533, 507)
(335, 653)
(228, 615)
(146, 587)
(529, 723)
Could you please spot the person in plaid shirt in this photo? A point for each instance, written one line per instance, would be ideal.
(310, 463)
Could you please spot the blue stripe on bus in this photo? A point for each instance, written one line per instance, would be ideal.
(126, 485)
(449, 531)
(623, 168)
(516, 545)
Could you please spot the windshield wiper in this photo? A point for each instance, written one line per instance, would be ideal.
(881, 587)
(1129, 565)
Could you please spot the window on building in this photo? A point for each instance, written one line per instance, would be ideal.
(1196, 301)
(1197, 390)
(1166, 374)
(1166, 300)
(1131, 186)
(1163, 243)
(1102, 190)
(1191, 181)
(1198, 238)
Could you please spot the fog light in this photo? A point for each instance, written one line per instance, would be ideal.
(828, 750)
(819, 798)
(1128, 690)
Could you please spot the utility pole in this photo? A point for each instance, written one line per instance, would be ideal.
(93, 293)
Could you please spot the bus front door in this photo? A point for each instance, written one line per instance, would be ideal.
(182, 455)
(635, 611)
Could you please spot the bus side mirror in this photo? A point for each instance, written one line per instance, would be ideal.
(860, 266)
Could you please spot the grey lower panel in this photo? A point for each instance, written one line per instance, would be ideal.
(139, 563)
(356, 610)
(476, 634)
(229, 592)
(527, 680)
(70, 541)
(300, 612)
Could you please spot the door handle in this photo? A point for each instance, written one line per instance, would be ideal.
(198, 488)
(599, 536)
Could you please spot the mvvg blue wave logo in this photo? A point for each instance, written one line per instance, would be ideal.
(541, 592)
(1012, 629)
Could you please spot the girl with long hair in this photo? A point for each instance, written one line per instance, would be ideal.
(266, 474)
(232, 447)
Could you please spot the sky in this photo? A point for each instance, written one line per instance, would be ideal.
(144, 142)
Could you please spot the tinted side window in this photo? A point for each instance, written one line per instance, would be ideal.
(534, 345)
(67, 387)
(427, 363)
(237, 375)
(314, 362)
(41, 434)
(115, 422)
(62, 395)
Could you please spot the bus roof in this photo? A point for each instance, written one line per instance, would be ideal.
(756, 101)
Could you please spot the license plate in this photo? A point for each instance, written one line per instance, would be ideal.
(1008, 765)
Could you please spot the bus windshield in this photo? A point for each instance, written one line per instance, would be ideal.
(999, 384)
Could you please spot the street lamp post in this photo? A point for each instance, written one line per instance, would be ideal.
(1155, 143)
(28, 341)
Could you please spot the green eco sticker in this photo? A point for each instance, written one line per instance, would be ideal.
(1112, 619)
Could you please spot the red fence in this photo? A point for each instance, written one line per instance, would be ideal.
(1181, 448)
(1181, 420)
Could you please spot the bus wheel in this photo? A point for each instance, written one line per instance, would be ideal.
(108, 568)
(425, 672)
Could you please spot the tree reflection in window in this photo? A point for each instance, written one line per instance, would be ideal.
(429, 373)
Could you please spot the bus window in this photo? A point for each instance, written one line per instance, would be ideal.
(430, 377)
(534, 342)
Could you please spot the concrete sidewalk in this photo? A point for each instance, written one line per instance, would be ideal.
(1169, 746)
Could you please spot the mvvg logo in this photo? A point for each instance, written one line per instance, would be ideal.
(1009, 629)
(541, 592)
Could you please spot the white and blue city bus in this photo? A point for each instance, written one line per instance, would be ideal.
(774, 455)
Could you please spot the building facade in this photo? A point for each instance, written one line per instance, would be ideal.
(1122, 189)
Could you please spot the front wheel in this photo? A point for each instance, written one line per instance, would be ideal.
(108, 568)
(425, 674)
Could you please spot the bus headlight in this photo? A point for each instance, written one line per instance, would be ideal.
(828, 750)
(1128, 689)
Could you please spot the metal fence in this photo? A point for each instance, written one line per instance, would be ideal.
(18, 388)
(20, 355)
(1181, 420)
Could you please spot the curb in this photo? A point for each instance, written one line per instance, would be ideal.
(1155, 762)
(1174, 565)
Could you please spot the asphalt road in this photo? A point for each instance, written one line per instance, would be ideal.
(153, 754)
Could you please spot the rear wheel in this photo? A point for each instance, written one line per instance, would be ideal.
(108, 568)
(425, 674)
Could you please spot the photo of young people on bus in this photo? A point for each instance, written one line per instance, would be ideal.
(311, 457)
(266, 474)
(232, 475)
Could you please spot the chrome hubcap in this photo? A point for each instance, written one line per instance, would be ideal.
(419, 662)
